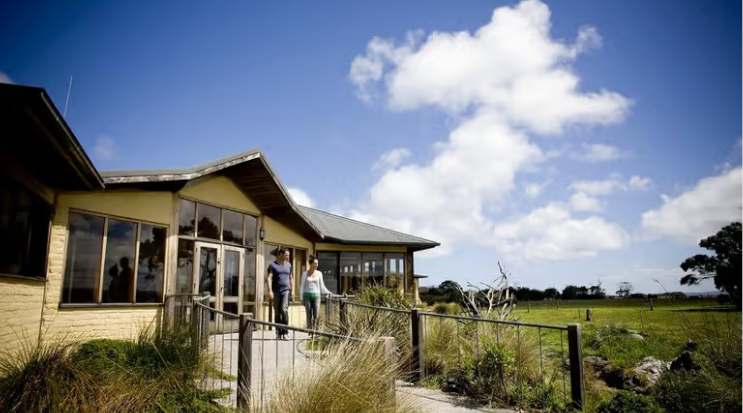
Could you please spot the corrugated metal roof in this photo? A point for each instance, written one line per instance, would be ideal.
(346, 230)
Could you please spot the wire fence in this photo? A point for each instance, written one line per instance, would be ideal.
(432, 346)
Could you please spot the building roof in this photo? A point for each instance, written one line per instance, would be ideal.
(344, 230)
(39, 138)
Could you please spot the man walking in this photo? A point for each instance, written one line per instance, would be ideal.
(280, 287)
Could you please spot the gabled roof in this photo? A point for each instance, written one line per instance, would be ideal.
(344, 230)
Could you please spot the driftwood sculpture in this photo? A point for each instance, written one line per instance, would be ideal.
(497, 296)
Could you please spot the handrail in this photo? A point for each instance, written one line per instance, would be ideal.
(374, 307)
(225, 313)
(488, 320)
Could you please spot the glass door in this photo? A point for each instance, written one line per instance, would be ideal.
(207, 275)
(230, 287)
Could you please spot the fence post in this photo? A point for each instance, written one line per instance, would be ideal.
(575, 355)
(196, 328)
(329, 302)
(650, 301)
(245, 361)
(343, 316)
(389, 354)
(417, 361)
(589, 314)
(528, 306)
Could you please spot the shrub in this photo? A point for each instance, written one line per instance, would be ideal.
(628, 402)
(351, 377)
(447, 308)
(700, 391)
(380, 296)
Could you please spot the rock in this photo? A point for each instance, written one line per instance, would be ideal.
(691, 345)
(684, 362)
(632, 332)
(651, 368)
(636, 337)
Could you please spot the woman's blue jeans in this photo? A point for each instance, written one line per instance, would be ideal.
(312, 308)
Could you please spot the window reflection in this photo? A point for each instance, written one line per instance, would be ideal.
(119, 262)
(151, 264)
(373, 269)
(184, 272)
(251, 227)
(209, 218)
(186, 217)
(329, 268)
(250, 276)
(84, 248)
(232, 227)
(350, 267)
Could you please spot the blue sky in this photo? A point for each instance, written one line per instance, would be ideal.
(544, 134)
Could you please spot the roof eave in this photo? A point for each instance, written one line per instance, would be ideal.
(416, 246)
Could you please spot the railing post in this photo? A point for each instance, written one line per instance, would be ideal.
(389, 354)
(343, 315)
(245, 361)
(417, 361)
(575, 355)
(196, 328)
(328, 309)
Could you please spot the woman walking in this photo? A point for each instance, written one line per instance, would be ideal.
(311, 288)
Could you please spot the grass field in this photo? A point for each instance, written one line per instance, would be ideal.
(666, 329)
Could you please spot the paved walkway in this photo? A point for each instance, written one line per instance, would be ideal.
(271, 357)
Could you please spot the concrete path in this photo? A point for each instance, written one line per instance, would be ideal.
(272, 357)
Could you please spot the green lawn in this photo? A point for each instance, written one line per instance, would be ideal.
(666, 328)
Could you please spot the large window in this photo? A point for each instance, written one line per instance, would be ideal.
(349, 272)
(24, 230)
(110, 260)
(211, 223)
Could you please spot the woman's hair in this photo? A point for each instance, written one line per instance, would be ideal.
(312, 259)
(280, 251)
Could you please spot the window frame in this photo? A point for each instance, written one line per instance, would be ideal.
(221, 240)
(385, 273)
(99, 281)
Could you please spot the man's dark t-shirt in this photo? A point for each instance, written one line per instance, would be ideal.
(281, 275)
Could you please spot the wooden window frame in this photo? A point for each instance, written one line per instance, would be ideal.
(101, 267)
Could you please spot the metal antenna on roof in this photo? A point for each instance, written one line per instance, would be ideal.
(69, 88)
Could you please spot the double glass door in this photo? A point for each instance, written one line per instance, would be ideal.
(219, 271)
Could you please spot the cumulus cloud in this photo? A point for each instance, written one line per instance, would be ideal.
(612, 184)
(583, 202)
(534, 190)
(699, 212)
(597, 153)
(391, 159)
(105, 148)
(300, 197)
(506, 80)
(552, 233)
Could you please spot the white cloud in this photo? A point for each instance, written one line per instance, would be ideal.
(507, 79)
(552, 233)
(698, 213)
(583, 202)
(5, 79)
(105, 148)
(534, 190)
(300, 197)
(610, 185)
(391, 159)
(597, 153)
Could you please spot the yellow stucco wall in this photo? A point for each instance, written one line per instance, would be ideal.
(20, 314)
(109, 322)
(222, 192)
(321, 246)
(277, 233)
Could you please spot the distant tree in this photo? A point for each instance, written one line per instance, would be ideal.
(596, 291)
(551, 293)
(724, 266)
(570, 292)
(625, 289)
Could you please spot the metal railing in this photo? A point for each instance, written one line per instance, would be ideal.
(432, 344)
(237, 366)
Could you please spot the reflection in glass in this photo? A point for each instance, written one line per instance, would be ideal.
(350, 266)
(250, 277)
(184, 272)
(83, 262)
(151, 264)
(232, 227)
(208, 270)
(186, 217)
(395, 270)
(329, 268)
(373, 268)
(251, 227)
(231, 273)
(119, 262)
(209, 218)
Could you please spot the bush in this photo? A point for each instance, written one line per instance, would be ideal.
(350, 377)
(700, 391)
(628, 402)
(447, 308)
(380, 296)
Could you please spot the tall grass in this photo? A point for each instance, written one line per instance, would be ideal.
(350, 377)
